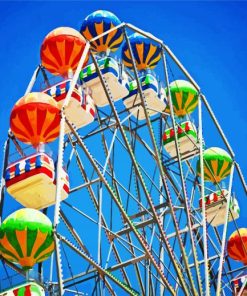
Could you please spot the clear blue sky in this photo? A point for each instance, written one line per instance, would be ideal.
(210, 39)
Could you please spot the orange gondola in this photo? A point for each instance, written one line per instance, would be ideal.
(61, 51)
(35, 119)
(237, 245)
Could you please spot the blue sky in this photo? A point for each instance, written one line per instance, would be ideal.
(208, 37)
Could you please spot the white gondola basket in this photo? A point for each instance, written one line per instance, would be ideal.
(80, 110)
(216, 207)
(155, 97)
(115, 77)
(187, 139)
(31, 181)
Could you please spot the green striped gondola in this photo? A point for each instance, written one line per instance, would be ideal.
(26, 237)
(184, 97)
(217, 165)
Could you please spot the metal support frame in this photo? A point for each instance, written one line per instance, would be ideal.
(95, 202)
(118, 203)
(117, 191)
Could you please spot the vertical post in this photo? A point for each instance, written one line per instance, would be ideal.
(62, 133)
(101, 198)
(33, 79)
(223, 242)
(161, 200)
(2, 185)
(204, 216)
(147, 276)
(60, 165)
(51, 267)
(100, 223)
(59, 265)
(162, 251)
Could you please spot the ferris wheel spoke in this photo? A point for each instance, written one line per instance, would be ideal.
(112, 235)
(59, 266)
(95, 202)
(218, 237)
(138, 202)
(145, 221)
(213, 276)
(100, 269)
(59, 175)
(222, 255)
(150, 178)
(73, 231)
(216, 257)
(87, 258)
(69, 267)
(137, 269)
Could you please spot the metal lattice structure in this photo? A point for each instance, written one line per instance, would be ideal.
(132, 224)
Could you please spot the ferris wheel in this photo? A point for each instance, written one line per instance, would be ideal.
(118, 192)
